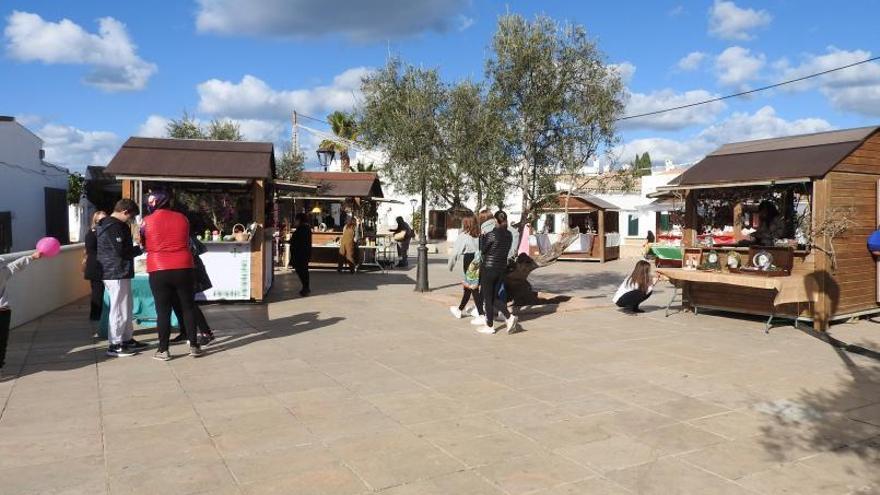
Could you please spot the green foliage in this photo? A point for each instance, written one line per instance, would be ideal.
(557, 98)
(344, 126)
(360, 167)
(185, 128)
(290, 165)
(188, 128)
(641, 165)
(224, 130)
(401, 114)
(75, 187)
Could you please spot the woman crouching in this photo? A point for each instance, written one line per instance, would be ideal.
(636, 288)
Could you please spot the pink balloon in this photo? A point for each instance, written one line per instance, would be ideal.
(48, 246)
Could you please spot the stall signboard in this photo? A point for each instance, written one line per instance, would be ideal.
(229, 265)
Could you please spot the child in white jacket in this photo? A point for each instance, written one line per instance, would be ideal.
(467, 247)
(7, 270)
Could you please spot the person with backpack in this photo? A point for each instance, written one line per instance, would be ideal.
(466, 246)
(116, 252)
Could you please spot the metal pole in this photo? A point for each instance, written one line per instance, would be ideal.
(422, 263)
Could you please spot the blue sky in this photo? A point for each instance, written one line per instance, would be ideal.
(85, 75)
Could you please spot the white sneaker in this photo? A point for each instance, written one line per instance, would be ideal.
(478, 320)
(472, 311)
(511, 323)
(486, 329)
(455, 311)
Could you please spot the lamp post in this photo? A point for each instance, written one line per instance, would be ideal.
(422, 261)
(413, 203)
(325, 157)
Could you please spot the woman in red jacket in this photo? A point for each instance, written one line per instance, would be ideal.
(165, 237)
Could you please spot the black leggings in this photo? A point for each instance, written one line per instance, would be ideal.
(5, 320)
(96, 302)
(302, 270)
(478, 297)
(491, 279)
(166, 284)
(632, 299)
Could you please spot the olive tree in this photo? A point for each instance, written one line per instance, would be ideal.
(558, 100)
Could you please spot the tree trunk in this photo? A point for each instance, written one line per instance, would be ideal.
(345, 161)
(516, 282)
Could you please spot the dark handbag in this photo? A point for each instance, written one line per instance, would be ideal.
(203, 281)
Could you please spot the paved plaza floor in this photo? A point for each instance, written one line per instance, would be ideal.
(368, 387)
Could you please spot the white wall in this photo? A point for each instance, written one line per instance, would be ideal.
(23, 176)
(47, 284)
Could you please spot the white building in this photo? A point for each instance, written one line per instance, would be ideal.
(33, 192)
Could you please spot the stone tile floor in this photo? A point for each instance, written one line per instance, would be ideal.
(367, 387)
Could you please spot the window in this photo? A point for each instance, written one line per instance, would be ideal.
(633, 226)
(665, 224)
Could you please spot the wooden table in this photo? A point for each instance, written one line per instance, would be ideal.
(789, 289)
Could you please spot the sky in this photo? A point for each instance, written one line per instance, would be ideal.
(86, 75)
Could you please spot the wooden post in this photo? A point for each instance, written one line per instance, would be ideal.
(600, 229)
(737, 220)
(689, 233)
(257, 266)
(822, 306)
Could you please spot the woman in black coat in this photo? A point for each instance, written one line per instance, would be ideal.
(91, 269)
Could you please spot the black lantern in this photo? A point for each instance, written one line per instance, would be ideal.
(325, 157)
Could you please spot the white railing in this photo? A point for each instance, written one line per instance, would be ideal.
(46, 284)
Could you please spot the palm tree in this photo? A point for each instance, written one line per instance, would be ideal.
(345, 127)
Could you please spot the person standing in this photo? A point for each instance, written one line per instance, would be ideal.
(115, 254)
(348, 247)
(301, 251)
(403, 234)
(202, 283)
(6, 272)
(466, 246)
(90, 268)
(494, 249)
(165, 237)
(636, 288)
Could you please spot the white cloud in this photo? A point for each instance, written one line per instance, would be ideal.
(465, 22)
(640, 103)
(115, 65)
(736, 65)
(691, 61)
(625, 70)
(75, 148)
(253, 98)
(355, 20)
(154, 126)
(729, 22)
(676, 11)
(764, 123)
(262, 130)
(855, 89)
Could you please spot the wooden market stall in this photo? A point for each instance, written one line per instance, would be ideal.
(597, 221)
(224, 186)
(338, 197)
(824, 187)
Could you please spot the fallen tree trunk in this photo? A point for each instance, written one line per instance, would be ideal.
(516, 282)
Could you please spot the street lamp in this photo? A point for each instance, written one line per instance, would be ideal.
(325, 157)
(413, 203)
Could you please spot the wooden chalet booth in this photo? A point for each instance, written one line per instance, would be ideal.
(597, 221)
(817, 268)
(226, 189)
(339, 196)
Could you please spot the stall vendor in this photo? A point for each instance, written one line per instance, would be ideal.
(771, 225)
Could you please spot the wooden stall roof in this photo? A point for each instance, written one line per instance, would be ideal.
(805, 156)
(345, 184)
(193, 158)
(580, 203)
